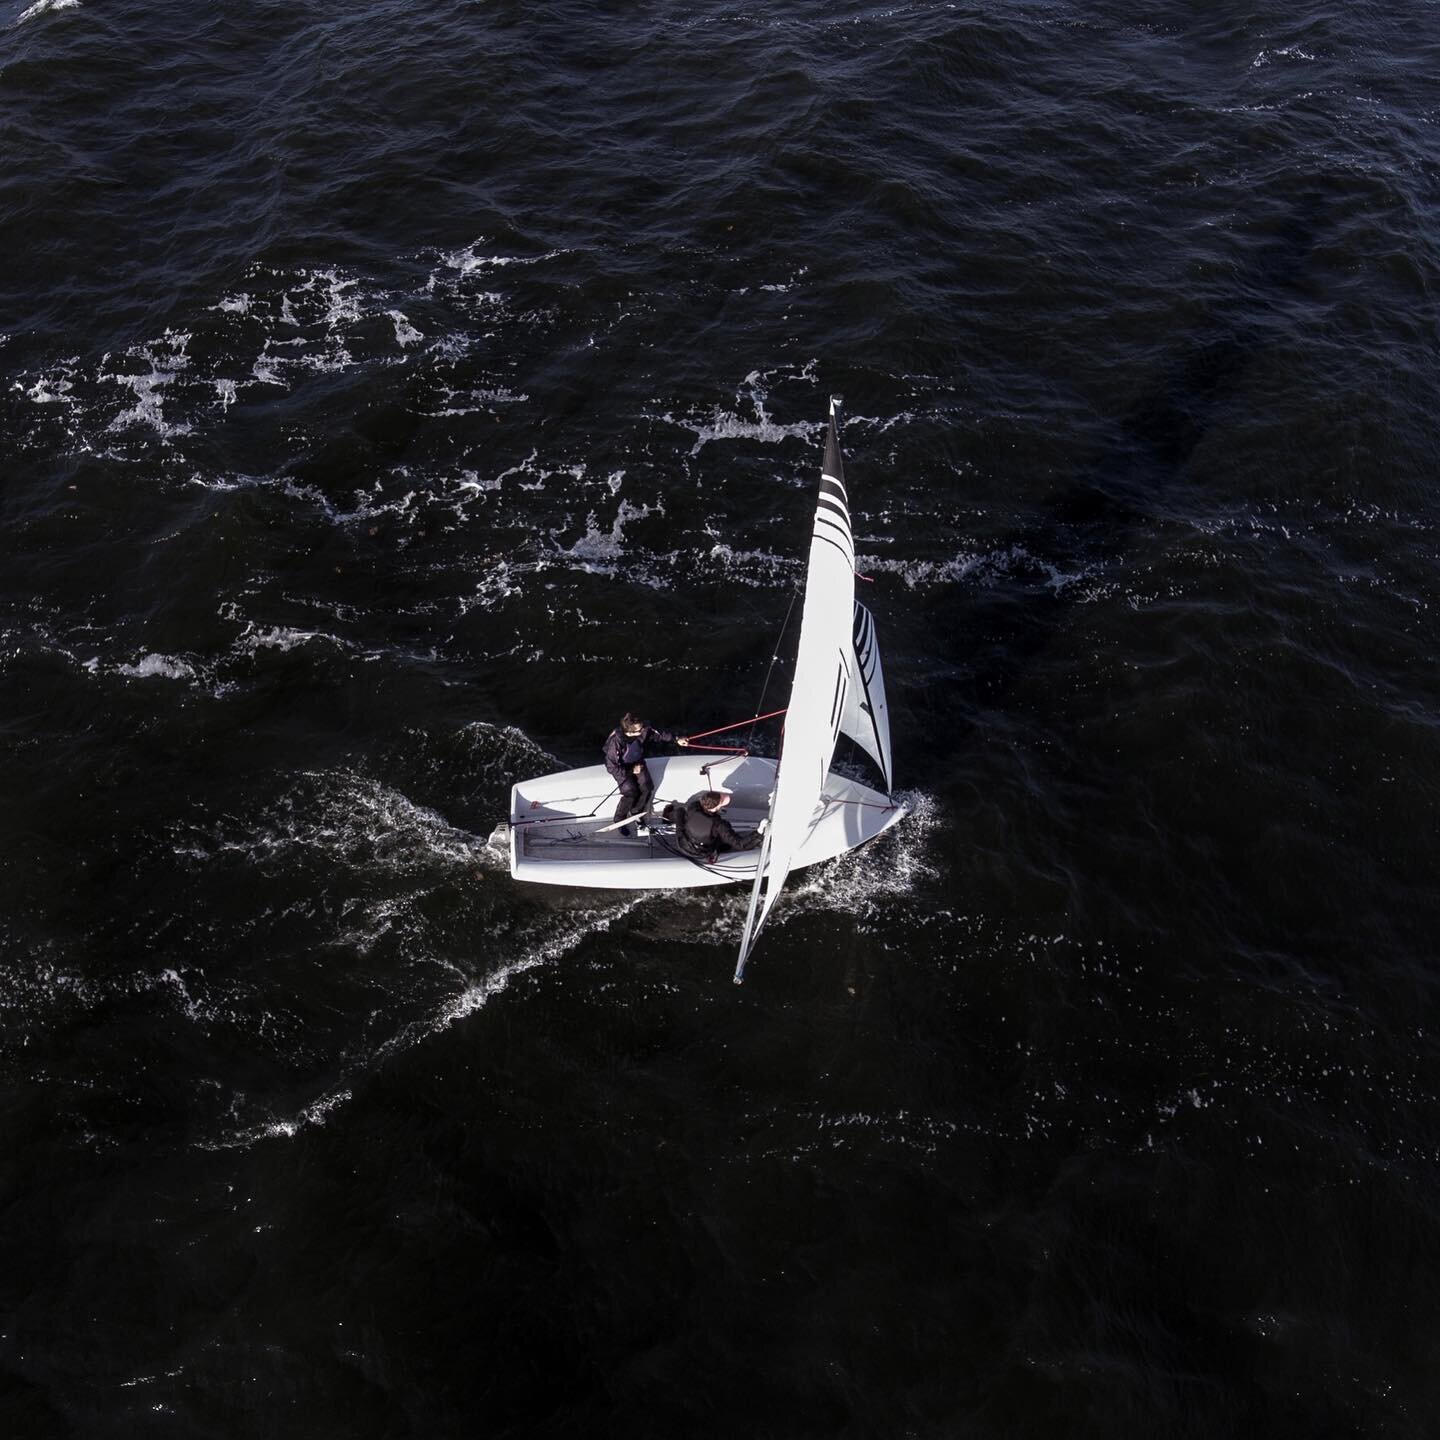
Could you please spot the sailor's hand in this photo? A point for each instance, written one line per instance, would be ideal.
(763, 826)
(682, 742)
(636, 769)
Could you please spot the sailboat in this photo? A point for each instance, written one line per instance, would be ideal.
(560, 829)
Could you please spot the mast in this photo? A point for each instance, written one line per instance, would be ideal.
(751, 932)
(819, 692)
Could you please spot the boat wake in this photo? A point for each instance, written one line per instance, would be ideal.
(863, 882)
(541, 944)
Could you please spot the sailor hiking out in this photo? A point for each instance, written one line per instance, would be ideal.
(625, 751)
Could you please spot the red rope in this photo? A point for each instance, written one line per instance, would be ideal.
(721, 749)
(738, 725)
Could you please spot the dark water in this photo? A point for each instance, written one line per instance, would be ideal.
(393, 393)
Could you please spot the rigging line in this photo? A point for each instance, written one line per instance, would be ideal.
(775, 654)
(613, 790)
(568, 800)
(676, 850)
(575, 799)
(734, 725)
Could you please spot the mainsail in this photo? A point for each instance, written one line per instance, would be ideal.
(829, 667)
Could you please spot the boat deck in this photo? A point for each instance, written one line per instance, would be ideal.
(558, 835)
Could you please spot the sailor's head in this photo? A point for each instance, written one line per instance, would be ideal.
(632, 725)
(713, 801)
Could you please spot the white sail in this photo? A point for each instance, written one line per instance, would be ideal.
(820, 694)
(867, 718)
(560, 830)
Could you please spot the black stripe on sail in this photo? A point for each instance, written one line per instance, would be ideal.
(841, 529)
(839, 692)
(828, 504)
(862, 630)
(864, 642)
(864, 620)
(830, 486)
(843, 551)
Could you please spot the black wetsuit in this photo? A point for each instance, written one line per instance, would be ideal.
(702, 835)
(622, 753)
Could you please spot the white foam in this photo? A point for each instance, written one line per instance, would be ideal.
(469, 260)
(195, 1009)
(790, 283)
(361, 823)
(529, 466)
(498, 582)
(889, 867)
(52, 389)
(538, 948)
(166, 357)
(542, 945)
(470, 480)
(485, 399)
(1283, 52)
(405, 333)
(754, 567)
(281, 637)
(594, 546)
(732, 425)
(1012, 560)
(276, 329)
(265, 369)
(315, 1113)
(338, 293)
(168, 667)
(44, 7)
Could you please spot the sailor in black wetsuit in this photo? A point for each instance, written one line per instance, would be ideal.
(703, 831)
(625, 760)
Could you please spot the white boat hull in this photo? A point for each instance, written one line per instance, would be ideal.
(558, 835)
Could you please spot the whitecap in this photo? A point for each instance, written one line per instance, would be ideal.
(754, 567)
(1282, 52)
(44, 7)
(468, 260)
(593, 545)
(281, 637)
(405, 332)
(52, 389)
(168, 667)
(166, 358)
(732, 425)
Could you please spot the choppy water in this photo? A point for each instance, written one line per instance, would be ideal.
(390, 394)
